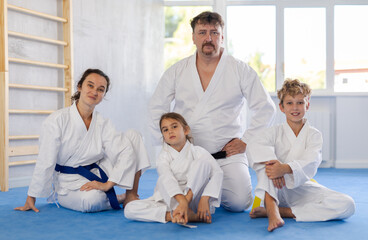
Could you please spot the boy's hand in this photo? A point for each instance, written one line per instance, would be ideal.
(275, 169)
(279, 182)
(203, 212)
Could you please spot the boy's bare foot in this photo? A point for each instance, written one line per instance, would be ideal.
(274, 221)
(258, 212)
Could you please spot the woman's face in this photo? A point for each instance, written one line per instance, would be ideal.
(93, 90)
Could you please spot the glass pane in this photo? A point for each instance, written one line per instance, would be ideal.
(351, 51)
(305, 45)
(253, 39)
(178, 32)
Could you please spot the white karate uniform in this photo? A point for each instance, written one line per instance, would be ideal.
(309, 201)
(214, 115)
(66, 141)
(191, 168)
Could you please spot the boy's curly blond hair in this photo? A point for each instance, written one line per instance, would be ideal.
(293, 87)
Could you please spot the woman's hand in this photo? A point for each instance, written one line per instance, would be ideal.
(30, 204)
(98, 186)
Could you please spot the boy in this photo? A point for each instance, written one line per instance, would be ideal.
(285, 158)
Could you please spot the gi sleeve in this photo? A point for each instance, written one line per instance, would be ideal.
(306, 167)
(261, 106)
(167, 184)
(214, 185)
(119, 151)
(160, 103)
(49, 145)
(262, 148)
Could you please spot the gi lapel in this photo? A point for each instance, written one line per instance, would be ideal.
(82, 130)
(204, 96)
(297, 144)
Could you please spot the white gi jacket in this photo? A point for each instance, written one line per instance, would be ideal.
(174, 168)
(65, 141)
(213, 115)
(303, 153)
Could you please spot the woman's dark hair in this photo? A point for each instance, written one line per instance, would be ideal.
(86, 73)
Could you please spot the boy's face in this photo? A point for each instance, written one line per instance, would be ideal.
(295, 108)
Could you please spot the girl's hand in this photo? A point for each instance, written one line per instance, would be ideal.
(98, 186)
(203, 212)
(30, 204)
(180, 214)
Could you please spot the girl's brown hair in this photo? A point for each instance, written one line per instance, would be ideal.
(180, 119)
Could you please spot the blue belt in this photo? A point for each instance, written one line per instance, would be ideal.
(85, 172)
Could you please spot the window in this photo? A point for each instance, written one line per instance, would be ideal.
(254, 41)
(178, 32)
(305, 45)
(320, 42)
(351, 51)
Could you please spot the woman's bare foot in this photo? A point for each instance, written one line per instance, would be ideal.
(130, 197)
(258, 212)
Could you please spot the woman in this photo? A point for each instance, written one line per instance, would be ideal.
(83, 155)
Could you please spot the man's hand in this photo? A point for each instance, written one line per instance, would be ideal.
(98, 186)
(30, 204)
(234, 147)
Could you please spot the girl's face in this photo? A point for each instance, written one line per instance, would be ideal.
(174, 133)
(93, 90)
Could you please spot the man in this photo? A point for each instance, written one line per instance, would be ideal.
(210, 89)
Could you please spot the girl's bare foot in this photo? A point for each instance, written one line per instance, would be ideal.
(258, 212)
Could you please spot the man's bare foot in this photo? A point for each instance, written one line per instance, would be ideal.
(130, 197)
(121, 198)
(258, 212)
(274, 221)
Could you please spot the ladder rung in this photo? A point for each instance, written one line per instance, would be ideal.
(57, 89)
(23, 151)
(19, 163)
(23, 137)
(45, 64)
(32, 12)
(33, 37)
(27, 111)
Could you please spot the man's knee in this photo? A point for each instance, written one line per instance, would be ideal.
(236, 202)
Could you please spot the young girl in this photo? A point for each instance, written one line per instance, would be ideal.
(189, 185)
(285, 158)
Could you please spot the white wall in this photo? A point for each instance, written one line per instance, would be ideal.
(119, 37)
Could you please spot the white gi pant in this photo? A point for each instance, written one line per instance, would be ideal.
(236, 187)
(151, 210)
(309, 202)
(96, 200)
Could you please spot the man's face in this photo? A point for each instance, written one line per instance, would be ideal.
(208, 39)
